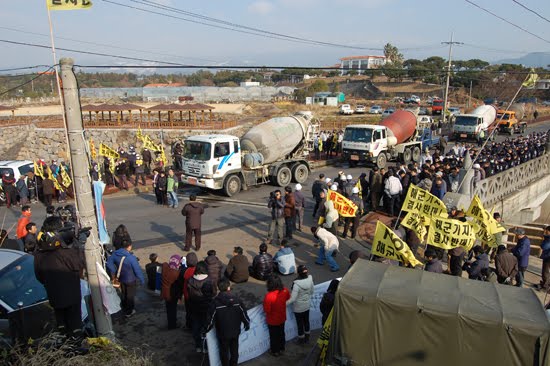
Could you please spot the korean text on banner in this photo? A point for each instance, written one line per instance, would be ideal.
(344, 206)
(324, 338)
(105, 150)
(388, 245)
(68, 4)
(38, 169)
(255, 342)
(416, 223)
(449, 234)
(484, 223)
(99, 187)
(423, 202)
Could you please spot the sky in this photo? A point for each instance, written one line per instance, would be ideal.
(417, 28)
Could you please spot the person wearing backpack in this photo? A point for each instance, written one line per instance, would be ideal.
(124, 267)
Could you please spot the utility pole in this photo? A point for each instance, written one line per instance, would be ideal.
(83, 192)
(470, 96)
(451, 43)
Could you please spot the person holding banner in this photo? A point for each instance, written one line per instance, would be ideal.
(353, 221)
(275, 313)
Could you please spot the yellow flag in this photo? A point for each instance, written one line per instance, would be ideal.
(105, 150)
(66, 179)
(54, 179)
(531, 79)
(68, 4)
(449, 234)
(324, 338)
(388, 245)
(420, 201)
(416, 223)
(163, 156)
(344, 206)
(93, 152)
(38, 169)
(484, 223)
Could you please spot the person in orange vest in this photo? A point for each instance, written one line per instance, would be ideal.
(25, 218)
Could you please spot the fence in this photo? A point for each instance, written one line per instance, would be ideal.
(493, 189)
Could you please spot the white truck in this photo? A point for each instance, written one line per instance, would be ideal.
(471, 125)
(275, 151)
(394, 139)
(346, 109)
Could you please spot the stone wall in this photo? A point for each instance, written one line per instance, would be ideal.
(28, 142)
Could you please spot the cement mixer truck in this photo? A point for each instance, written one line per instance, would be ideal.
(275, 151)
(475, 125)
(394, 139)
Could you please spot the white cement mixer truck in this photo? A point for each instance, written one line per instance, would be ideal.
(275, 151)
(475, 124)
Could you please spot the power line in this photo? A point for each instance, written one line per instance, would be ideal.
(106, 45)
(26, 82)
(531, 10)
(507, 21)
(24, 68)
(494, 49)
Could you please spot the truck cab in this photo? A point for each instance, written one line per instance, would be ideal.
(467, 127)
(508, 123)
(208, 160)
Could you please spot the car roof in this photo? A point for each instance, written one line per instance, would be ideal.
(8, 256)
(14, 163)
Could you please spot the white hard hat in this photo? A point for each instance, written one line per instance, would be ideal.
(476, 166)
(327, 180)
(349, 177)
(343, 177)
(355, 190)
(298, 187)
(334, 187)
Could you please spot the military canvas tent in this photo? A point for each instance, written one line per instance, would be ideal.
(388, 315)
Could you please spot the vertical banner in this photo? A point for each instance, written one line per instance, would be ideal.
(99, 187)
(255, 342)
(68, 4)
(388, 245)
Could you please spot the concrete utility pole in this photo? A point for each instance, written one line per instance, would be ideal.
(451, 43)
(83, 192)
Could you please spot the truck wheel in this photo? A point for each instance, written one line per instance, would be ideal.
(232, 185)
(381, 161)
(284, 176)
(300, 173)
(352, 163)
(407, 156)
(416, 154)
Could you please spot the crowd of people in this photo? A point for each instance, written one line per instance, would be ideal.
(329, 143)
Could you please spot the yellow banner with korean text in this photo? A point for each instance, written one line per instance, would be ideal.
(422, 202)
(38, 169)
(449, 234)
(388, 245)
(68, 4)
(344, 206)
(484, 223)
(93, 152)
(65, 178)
(105, 150)
(416, 223)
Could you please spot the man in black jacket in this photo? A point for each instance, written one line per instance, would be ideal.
(262, 264)
(226, 313)
(59, 269)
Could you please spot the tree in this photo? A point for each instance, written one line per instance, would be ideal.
(392, 54)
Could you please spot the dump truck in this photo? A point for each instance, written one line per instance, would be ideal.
(394, 139)
(509, 123)
(275, 151)
(476, 124)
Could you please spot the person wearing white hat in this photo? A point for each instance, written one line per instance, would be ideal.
(316, 188)
(353, 221)
(334, 187)
(478, 173)
(300, 205)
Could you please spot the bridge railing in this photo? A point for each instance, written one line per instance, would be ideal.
(493, 189)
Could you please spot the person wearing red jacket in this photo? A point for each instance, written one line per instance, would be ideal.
(275, 313)
(25, 218)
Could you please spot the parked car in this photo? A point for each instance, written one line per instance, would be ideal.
(376, 109)
(24, 308)
(423, 111)
(360, 109)
(453, 111)
(346, 109)
(16, 168)
(546, 103)
(387, 112)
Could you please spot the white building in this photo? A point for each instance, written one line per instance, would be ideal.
(542, 84)
(361, 63)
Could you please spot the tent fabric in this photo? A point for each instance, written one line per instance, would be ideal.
(400, 316)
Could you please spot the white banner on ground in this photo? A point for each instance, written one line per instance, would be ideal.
(256, 341)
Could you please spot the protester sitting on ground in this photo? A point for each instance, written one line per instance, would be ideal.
(433, 264)
(151, 271)
(284, 260)
(215, 268)
(327, 302)
(237, 268)
(481, 263)
(262, 265)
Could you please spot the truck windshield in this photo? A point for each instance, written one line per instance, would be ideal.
(197, 150)
(438, 103)
(358, 135)
(466, 121)
(503, 116)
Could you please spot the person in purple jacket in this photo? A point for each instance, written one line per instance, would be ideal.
(521, 251)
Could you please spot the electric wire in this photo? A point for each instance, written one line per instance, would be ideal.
(24, 68)
(507, 21)
(531, 10)
(107, 45)
(26, 82)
